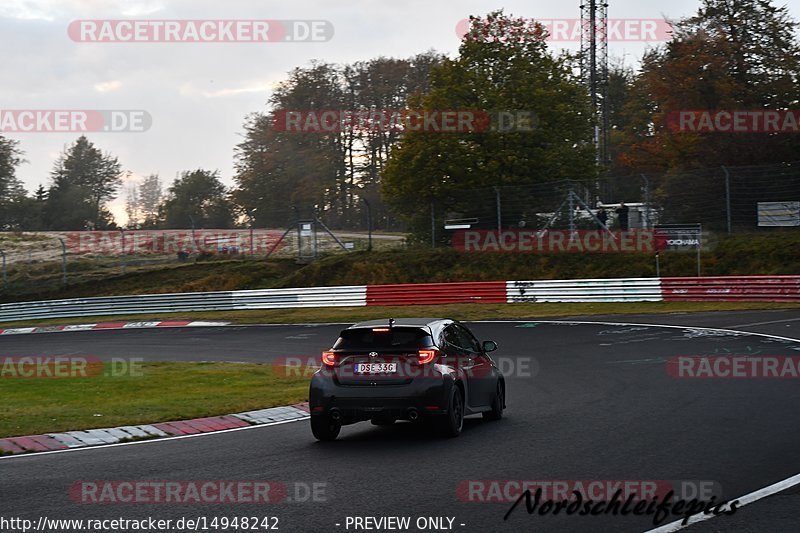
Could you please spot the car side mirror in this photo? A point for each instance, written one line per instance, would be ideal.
(489, 346)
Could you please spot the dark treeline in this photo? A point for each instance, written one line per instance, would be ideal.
(329, 172)
(731, 55)
(84, 179)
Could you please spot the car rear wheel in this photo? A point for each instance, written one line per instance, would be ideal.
(453, 421)
(497, 404)
(325, 428)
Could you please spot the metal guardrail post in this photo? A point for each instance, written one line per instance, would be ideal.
(251, 223)
(433, 226)
(727, 197)
(194, 239)
(63, 260)
(699, 245)
(252, 251)
(369, 223)
(646, 201)
(571, 208)
(122, 251)
(299, 241)
(499, 209)
(314, 235)
(5, 272)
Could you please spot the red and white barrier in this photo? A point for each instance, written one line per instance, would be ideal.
(437, 293)
(732, 288)
(741, 289)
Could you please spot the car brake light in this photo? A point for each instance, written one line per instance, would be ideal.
(328, 358)
(381, 330)
(426, 356)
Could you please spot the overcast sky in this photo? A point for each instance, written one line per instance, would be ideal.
(198, 94)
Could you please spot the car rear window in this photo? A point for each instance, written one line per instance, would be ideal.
(397, 338)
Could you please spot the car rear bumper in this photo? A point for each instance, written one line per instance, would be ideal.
(419, 399)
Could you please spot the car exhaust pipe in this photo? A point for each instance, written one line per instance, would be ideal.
(335, 415)
(413, 414)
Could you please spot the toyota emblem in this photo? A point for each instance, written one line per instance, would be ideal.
(373, 354)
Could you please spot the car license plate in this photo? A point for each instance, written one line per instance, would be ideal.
(376, 368)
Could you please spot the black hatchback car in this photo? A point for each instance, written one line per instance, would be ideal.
(419, 369)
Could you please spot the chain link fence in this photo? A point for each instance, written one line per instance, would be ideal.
(46, 262)
(724, 199)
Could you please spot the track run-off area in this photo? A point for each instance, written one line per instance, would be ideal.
(588, 400)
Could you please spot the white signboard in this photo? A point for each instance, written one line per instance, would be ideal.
(777, 214)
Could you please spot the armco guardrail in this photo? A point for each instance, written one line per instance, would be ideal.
(585, 290)
(437, 293)
(175, 303)
(755, 288)
(742, 289)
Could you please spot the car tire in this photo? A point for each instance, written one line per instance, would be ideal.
(324, 428)
(497, 404)
(453, 422)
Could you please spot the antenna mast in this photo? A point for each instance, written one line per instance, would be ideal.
(594, 69)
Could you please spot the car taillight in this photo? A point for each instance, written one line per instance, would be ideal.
(328, 358)
(426, 356)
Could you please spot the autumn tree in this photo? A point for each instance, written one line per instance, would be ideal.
(281, 175)
(149, 197)
(83, 180)
(198, 199)
(732, 55)
(503, 65)
(12, 193)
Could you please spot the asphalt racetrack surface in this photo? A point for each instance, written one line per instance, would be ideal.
(585, 402)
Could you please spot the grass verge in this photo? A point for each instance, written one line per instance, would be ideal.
(159, 393)
(456, 311)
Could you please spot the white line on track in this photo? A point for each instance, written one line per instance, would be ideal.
(742, 501)
(766, 323)
(671, 326)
